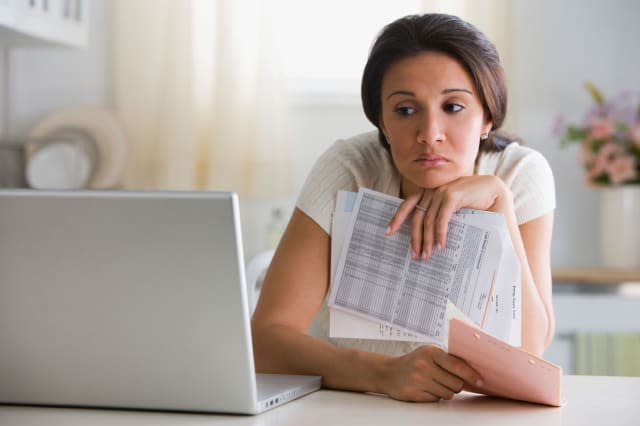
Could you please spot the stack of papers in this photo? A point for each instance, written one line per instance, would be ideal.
(379, 292)
(465, 298)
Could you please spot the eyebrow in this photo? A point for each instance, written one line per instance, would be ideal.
(444, 92)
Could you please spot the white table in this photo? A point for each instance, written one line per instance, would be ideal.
(609, 401)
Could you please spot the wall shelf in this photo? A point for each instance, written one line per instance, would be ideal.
(594, 275)
(39, 23)
(591, 300)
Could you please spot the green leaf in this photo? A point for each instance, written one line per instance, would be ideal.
(601, 179)
(576, 133)
(573, 135)
(595, 93)
(596, 144)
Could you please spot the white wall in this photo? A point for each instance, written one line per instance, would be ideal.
(43, 80)
(557, 45)
(314, 124)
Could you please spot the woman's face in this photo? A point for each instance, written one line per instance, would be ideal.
(432, 118)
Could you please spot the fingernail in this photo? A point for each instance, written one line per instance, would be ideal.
(387, 231)
(424, 254)
(414, 255)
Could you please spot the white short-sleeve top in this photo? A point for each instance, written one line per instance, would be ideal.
(362, 161)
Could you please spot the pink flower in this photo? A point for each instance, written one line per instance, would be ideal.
(634, 134)
(622, 168)
(612, 160)
(586, 154)
(609, 138)
(602, 128)
(607, 153)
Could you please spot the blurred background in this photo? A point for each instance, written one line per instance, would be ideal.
(244, 95)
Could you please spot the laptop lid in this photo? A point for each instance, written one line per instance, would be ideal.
(124, 299)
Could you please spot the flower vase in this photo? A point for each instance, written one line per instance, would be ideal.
(620, 226)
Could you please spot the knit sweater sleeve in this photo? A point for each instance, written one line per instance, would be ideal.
(529, 177)
(533, 188)
(329, 174)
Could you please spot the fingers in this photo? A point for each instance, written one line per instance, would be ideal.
(418, 395)
(428, 224)
(432, 233)
(428, 374)
(431, 212)
(405, 209)
(429, 390)
(453, 383)
(459, 369)
(447, 207)
(437, 389)
(417, 225)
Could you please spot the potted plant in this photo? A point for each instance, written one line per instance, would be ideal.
(609, 139)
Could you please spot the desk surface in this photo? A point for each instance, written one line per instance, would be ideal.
(610, 401)
(594, 275)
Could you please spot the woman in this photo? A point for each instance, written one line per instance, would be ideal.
(434, 88)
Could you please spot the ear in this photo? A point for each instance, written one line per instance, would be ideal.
(384, 131)
(486, 127)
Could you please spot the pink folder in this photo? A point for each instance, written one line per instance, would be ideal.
(506, 371)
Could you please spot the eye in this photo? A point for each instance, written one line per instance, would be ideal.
(405, 111)
(452, 107)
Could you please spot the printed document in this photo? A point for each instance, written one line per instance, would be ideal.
(379, 292)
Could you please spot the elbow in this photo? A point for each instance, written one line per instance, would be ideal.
(551, 329)
(549, 319)
(538, 338)
(260, 350)
(544, 334)
(269, 348)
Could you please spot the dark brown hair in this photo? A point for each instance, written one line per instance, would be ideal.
(416, 34)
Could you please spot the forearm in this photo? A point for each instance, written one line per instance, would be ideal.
(489, 193)
(535, 318)
(280, 349)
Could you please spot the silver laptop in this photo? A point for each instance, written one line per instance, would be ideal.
(129, 300)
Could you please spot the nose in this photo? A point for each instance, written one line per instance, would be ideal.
(430, 130)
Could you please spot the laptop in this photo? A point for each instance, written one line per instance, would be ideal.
(129, 300)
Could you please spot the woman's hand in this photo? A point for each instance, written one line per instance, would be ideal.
(433, 208)
(428, 374)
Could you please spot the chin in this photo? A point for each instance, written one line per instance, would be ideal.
(433, 182)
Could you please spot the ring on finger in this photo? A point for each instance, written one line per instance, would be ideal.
(422, 209)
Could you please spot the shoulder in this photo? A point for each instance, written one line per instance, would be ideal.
(508, 163)
(528, 175)
(359, 150)
(361, 160)
(348, 164)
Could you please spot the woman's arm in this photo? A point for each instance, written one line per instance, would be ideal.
(536, 238)
(531, 242)
(294, 289)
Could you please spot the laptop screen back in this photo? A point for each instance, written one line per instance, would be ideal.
(124, 299)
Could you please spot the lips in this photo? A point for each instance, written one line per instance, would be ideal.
(431, 160)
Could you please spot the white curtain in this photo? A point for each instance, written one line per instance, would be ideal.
(197, 84)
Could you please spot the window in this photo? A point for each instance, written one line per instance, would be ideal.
(324, 45)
